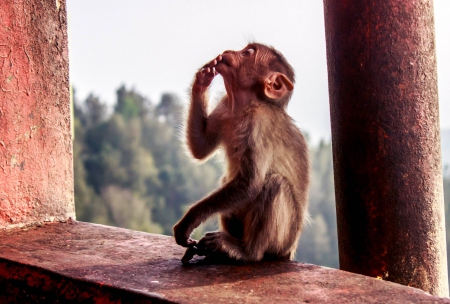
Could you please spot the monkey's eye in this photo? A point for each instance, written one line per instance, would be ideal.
(248, 52)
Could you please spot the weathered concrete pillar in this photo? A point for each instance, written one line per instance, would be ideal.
(36, 176)
(386, 140)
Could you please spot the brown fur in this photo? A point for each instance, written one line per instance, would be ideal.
(263, 199)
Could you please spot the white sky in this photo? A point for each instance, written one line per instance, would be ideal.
(156, 47)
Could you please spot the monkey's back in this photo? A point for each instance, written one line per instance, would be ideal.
(276, 143)
(282, 147)
(283, 139)
(268, 129)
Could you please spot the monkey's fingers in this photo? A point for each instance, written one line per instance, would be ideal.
(188, 255)
(208, 73)
(209, 69)
(191, 243)
(212, 63)
(205, 76)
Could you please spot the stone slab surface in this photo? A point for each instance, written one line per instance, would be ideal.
(83, 262)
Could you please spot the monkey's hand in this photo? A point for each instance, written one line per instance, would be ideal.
(189, 254)
(181, 232)
(205, 75)
(210, 243)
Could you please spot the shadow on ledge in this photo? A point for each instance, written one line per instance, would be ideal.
(82, 262)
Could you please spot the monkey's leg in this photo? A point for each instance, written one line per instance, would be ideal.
(235, 194)
(270, 226)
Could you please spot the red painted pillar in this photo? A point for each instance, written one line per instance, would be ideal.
(386, 141)
(36, 175)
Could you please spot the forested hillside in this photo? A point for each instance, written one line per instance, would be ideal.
(130, 167)
(132, 171)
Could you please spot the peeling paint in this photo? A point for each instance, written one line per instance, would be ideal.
(13, 160)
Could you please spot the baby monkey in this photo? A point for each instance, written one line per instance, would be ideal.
(262, 201)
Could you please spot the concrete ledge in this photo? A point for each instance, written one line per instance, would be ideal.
(83, 262)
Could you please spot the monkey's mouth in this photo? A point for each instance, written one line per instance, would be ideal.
(224, 61)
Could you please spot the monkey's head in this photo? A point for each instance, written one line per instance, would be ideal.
(259, 69)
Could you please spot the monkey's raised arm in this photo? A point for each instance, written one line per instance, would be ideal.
(203, 130)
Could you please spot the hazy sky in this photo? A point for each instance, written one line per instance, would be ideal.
(156, 47)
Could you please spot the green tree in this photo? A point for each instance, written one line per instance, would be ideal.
(131, 104)
(133, 170)
(128, 210)
(170, 109)
(88, 204)
(95, 111)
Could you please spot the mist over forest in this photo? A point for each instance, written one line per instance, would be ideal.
(132, 171)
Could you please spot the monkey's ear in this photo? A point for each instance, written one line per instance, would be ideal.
(276, 85)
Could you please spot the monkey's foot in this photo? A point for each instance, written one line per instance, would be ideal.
(190, 253)
(211, 242)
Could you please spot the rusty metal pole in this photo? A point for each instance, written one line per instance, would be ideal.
(386, 140)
